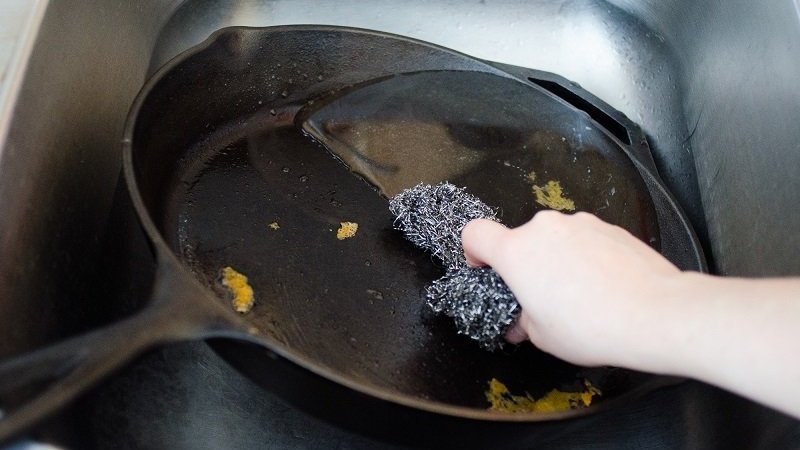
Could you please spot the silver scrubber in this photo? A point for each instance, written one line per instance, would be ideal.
(477, 299)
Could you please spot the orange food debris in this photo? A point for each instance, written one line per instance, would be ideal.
(551, 195)
(501, 399)
(241, 291)
(346, 230)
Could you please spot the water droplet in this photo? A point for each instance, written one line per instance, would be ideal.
(367, 263)
(375, 294)
(273, 112)
(320, 78)
(285, 170)
(303, 178)
(285, 94)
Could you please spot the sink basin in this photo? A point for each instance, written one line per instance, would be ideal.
(712, 84)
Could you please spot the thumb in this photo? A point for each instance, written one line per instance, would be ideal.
(479, 239)
(517, 333)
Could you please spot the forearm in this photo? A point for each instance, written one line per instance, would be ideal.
(738, 334)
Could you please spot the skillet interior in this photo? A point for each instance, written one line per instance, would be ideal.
(215, 167)
(354, 306)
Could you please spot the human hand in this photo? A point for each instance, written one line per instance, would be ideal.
(591, 293)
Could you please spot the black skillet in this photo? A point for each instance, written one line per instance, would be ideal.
(214, 152)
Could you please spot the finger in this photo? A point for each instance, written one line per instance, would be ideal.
(516, 334)
(479, 239)
(521, 330)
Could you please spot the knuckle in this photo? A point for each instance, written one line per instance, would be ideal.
(584, 216)
(507, 245)
(547, 216)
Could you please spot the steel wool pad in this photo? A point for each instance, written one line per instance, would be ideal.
(477, 299)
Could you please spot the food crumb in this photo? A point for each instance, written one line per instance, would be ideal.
(551, 195)
(346, 230)
(501, 399)
(274, 226)
(236, 283)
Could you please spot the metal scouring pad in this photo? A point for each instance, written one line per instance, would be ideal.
(477, 299)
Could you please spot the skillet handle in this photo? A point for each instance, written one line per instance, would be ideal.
(36, 384)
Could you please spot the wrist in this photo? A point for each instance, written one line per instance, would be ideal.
(669, 324)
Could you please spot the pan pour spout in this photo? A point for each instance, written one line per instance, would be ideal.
(477, 299)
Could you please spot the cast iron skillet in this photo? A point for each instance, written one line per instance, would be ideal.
(213, 153)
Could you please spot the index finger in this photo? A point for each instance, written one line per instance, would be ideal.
(479, 238)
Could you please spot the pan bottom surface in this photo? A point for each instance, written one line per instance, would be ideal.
(269, 204)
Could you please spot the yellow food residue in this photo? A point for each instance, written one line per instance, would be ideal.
(346, 230)
(274, 226)
(236, 283)
(551, 195)
(501, 399)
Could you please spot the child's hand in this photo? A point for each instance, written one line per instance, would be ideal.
(590, 292)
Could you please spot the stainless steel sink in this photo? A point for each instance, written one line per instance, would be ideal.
(712, 83)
